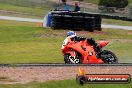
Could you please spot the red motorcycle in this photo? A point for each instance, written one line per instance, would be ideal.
(83, 52)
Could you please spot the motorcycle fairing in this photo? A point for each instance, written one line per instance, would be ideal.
(87, 58)
(102, 43)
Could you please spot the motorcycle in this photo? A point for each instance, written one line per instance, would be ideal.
(83, 53)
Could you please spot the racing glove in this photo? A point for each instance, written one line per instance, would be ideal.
(91, 41)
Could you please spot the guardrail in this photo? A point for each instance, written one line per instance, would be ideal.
(123, 18)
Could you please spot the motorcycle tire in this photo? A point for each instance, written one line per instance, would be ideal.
(112, 59)
(68, 61)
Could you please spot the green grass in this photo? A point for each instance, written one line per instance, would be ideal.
(116, 22)
(27, 8)
(65, 84)
(22, 42)
(92, 1)
(10, 23)
(30, 11)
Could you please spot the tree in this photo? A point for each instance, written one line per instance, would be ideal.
(114, 3)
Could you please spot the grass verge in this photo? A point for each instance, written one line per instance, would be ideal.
(29, 11)
(116, 22)
(22, 42)
(66, 84)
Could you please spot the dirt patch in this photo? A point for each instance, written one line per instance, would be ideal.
(62, 33)
(47, 73)
(129, 32)
(121, 40)
(48, 35)
(89, 33)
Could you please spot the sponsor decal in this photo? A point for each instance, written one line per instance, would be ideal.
(83, 78)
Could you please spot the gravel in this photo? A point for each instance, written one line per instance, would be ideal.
(47, 73)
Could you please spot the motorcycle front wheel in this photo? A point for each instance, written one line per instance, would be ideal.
(109, 57)
(71, 60)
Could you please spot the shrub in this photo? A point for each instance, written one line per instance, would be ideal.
(130, 10)
(114, 3)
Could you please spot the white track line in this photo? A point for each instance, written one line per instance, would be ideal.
(20, 19)
(116, 27)
(38, 20)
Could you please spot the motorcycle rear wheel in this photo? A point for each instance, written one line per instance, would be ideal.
(69, 60)
(109, 57)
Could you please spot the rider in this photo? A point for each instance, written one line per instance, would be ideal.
(76, 38)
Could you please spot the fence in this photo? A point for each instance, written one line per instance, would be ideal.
(123, 18)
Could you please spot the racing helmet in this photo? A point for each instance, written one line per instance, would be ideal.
(69, 33)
